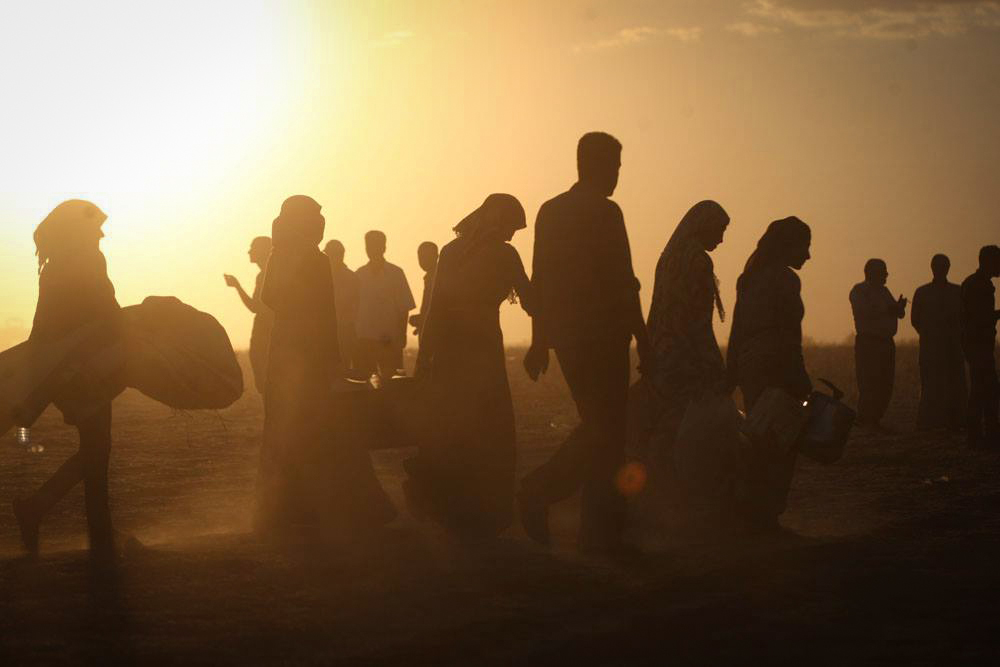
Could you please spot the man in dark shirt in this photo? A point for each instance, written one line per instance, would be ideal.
(979, 333)
(587, 311)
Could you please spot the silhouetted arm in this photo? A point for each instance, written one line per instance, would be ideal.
(628, 286)
(541, 266)
(917, 311)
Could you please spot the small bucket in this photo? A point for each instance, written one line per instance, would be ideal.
(828, 425)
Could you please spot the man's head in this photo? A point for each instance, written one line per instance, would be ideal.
(427, 255)
(335, 251)
(940, 265)
(989, 260)
(876, 272)
(375, 245)
(260, 250)
(598, 161)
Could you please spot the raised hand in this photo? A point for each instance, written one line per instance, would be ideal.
(231, 281)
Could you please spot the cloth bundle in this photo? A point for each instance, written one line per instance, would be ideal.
(166, 349)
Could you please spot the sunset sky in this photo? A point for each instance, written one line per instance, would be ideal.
(189, 123)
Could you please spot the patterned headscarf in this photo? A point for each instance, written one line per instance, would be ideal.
(685, 246)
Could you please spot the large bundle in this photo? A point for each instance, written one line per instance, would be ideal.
(166, 349)
(179, 356)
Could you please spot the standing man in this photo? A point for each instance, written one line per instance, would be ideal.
(876, 317)
(384, 303)
(263, 317)
(979, 338)
(937, 316)
(345, 291)
(588, 311)
(427, 257)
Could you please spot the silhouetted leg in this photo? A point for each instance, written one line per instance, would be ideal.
(874, 364)
(366, 359)
(55, 488)
(886, 364)
(598, 377)
(768, 477)
(982, 411)
(95, 451)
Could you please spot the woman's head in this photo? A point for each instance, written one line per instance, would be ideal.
(73, 227)
(706, 222)
(299, 223)
(497, 218)
(785, 243)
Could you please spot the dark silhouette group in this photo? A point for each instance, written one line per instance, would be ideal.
(957, 327)
(317, 325)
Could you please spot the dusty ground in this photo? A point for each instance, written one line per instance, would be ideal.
(893, 558)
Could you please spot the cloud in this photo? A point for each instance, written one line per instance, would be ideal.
(630, 36)
(391, 39)
(877, 19)
(751, 29)
(684, 34)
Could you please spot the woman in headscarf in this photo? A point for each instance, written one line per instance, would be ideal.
(765, 350)
(685, 297)
(311, 472)
(465, 479)
(74, 291)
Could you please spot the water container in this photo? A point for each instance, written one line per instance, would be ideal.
(828, 425)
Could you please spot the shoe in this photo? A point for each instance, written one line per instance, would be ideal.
(534, 517)
(27, 526)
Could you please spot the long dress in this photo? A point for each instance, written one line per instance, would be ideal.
(688, 359)
(936, 315)
(72, 293)
(765, 350)
(312, 470)
(465, 477)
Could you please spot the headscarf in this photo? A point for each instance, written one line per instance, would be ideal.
(63, 230)
(299, 224)
(684, 246)
(779, 236)
(499, 212)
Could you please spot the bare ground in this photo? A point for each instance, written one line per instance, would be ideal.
(892, 556)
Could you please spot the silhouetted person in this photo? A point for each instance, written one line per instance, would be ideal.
(937, 316)
(685, 296)
(765, 350)
(309, 475)
(74, 291)
(979, 333)
(384, 303)
(263, 318)
(345, 287)
(876, 318)
(466, 479)
(587, 311)
(427, 257)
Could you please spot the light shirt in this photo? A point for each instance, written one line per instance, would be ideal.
(384, 300)
(876, 313)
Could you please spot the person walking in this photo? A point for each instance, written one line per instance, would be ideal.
(263, 318)
(465, 477)
(979, 339)
(936, 315)
(765, 350)
(876, 318)
(313, 475)
(74, 291)
(588, 312)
